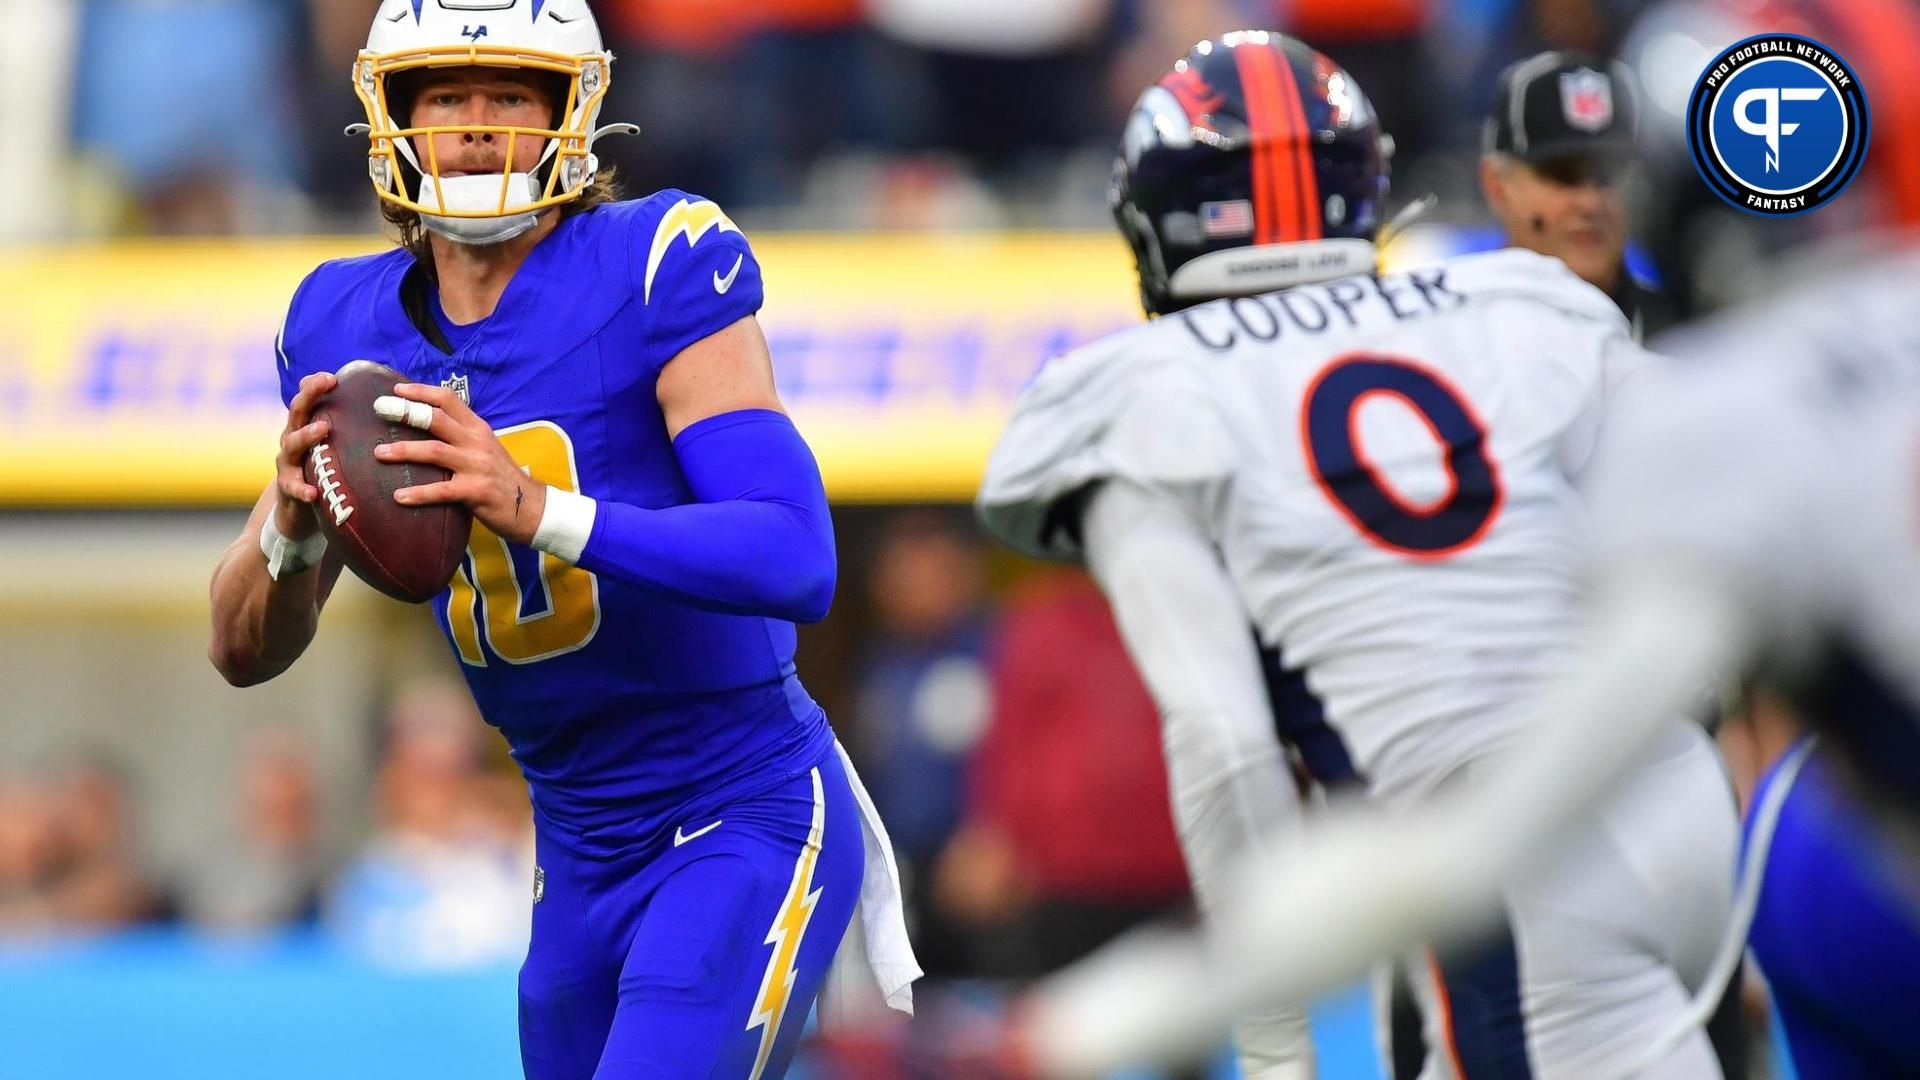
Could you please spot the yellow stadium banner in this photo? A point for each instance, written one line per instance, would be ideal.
(144, 374)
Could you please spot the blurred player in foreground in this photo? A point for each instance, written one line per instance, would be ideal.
(1380, 472)
(1756, 511)
(648, 527)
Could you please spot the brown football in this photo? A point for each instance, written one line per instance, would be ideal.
(407, 552)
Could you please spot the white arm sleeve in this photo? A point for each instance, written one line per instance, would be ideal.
(1190, 637)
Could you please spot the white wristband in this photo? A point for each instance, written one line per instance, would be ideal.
(285, 557)
(566, 524)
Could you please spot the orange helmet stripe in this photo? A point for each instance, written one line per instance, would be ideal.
(1299, 147)
(1261, 118)
(1282, 152)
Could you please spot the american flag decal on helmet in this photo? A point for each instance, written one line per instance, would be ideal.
(1232, 218)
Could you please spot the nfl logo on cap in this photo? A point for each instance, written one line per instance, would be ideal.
(1586, 97)
(1560, 104)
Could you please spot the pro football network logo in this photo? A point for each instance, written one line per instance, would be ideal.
(1778, 124)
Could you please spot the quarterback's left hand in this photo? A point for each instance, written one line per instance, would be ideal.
(485, 477)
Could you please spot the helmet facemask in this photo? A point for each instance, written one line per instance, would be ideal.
(480, 208)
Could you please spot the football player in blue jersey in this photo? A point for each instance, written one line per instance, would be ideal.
(648, 528)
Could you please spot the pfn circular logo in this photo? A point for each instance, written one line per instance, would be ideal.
(1778, 124)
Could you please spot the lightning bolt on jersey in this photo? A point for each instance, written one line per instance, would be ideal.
(620, 705)
(1388, 468)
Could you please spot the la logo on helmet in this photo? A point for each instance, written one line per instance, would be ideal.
(473, 33)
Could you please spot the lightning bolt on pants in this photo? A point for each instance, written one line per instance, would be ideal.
(700, 958)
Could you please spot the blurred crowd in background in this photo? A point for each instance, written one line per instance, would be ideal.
(989, 704)
(225, 116)
(440, 877)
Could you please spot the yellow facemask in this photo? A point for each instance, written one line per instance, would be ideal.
(567, 158)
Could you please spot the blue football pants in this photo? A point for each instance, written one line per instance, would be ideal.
(701, 956)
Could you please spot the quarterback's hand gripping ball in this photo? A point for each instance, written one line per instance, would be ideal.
(407, 552)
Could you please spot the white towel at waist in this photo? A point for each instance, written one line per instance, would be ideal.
(872, 975)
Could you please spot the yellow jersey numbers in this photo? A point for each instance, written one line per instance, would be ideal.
(571, 613)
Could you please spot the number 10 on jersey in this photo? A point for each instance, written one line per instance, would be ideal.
(568, 597)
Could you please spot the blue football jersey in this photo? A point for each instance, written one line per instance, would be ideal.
(621, 706)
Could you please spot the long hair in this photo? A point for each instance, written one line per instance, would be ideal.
(603, 189)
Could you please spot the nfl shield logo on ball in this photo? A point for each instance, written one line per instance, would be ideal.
(1587, 99)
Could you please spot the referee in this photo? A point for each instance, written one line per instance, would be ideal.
(1558, 149)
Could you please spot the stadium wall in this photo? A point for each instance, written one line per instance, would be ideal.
(143, 375)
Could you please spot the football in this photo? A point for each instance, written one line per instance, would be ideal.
(407, 552)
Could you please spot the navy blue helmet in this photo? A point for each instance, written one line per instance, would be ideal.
(1255, 164)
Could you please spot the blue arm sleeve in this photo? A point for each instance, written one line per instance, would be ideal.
(758, 540)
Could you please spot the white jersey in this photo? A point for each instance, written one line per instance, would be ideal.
(1387, 467)
(1763, 489)
(1781, 452)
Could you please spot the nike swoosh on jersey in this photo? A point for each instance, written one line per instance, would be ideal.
(681, 838)
(722, 284)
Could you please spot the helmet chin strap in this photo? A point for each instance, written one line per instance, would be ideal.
(478, 194)
(482, 192)
(479, 232)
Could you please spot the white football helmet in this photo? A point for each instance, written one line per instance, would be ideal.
(559, 37)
